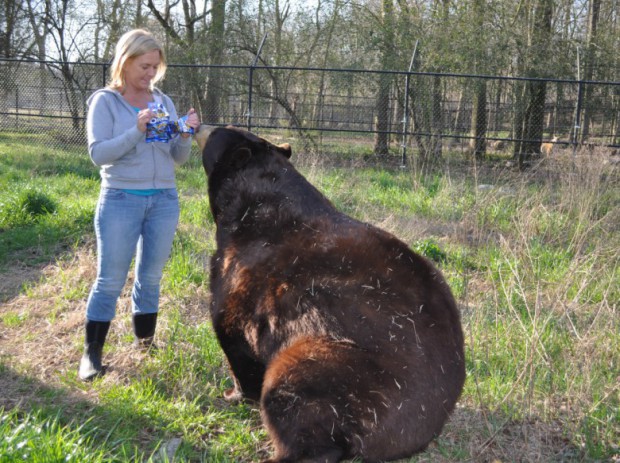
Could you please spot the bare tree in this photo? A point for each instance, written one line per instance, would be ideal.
(14, 37)
(183, 31)
(328, 38)
(529, 122)
(594, 9)
(65, 26)
(38, 16)
(279, 86)
(186, 30)
(114, 15)
(215, 44)
(8, 13)
(479, 107)
(382, 100)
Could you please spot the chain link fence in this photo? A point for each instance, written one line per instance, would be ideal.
(395, 116)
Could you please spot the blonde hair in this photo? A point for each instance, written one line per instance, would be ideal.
(132, 44)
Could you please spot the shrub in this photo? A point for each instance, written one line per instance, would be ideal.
(429, 248)
(26, 207)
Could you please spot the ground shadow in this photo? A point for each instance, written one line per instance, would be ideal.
(110, 429)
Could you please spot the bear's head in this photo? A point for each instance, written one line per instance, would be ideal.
(233, 147)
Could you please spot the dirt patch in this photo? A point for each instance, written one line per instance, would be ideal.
(41, 328)
(492, 438)
(15, 278)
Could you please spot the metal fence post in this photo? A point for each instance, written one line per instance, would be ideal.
(406, 112)
(577, 125)
(250, 84)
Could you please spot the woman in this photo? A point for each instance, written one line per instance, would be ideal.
(138, 207)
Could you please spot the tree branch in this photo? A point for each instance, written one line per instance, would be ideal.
(164, 23)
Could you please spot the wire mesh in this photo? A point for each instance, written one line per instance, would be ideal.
(334, 111)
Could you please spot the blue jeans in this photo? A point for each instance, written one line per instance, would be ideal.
(128, 225)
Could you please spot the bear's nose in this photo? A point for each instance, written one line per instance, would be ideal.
(202, 134)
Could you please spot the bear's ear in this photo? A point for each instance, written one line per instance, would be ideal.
(285, 149)
(240, 157)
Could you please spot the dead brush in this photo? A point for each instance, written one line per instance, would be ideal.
(554, 312)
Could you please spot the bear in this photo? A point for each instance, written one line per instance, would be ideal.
(350, 342)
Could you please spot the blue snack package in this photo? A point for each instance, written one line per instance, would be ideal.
(157, 129)
(181, 126)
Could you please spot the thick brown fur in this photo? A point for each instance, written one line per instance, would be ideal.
(351, 342)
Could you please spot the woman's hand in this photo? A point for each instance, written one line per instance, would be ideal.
(144, 116)
(192, 121)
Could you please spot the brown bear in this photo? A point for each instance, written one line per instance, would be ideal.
(351, 342)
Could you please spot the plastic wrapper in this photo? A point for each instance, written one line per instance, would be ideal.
(180, 126)
(157, 129)
(161, 129)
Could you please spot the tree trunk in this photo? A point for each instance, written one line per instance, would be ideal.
(534, 119)
(40, 30)
(535, 92)
(590, 63)
(436, 121)
(382, 101)
(317, 112)
(517, 119)
(460, 113)
(479, 120)
(115, 20)
(216, 35)
(498, 113)
(382, 114)
(10, 9)
(479, 108)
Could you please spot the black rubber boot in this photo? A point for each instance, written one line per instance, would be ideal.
(144, 330)
(90, 365)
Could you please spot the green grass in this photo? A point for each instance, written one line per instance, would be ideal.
(12, 319)
(534, 264)
(395, 191)
(39, 439)
(47, 197)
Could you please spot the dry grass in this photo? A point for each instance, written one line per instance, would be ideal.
(555, 297)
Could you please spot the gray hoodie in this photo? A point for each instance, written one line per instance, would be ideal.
(117, 146)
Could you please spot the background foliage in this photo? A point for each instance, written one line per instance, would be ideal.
(563, 45)
(534, 38)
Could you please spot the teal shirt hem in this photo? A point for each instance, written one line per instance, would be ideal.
(150, 192)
